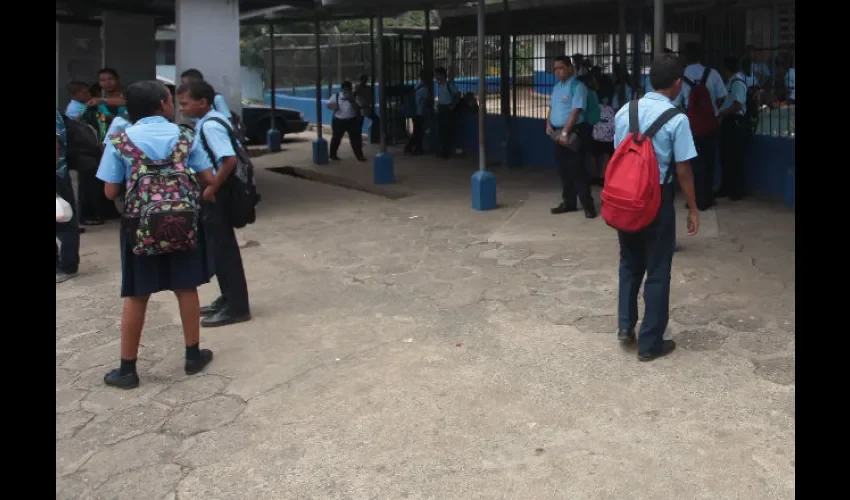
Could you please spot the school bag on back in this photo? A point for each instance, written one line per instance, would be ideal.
(700, 108)
(592, 110)
(603, 131)
(162, 202)
(83, 147)
(632, 193)
(239, 192)
(754, 103)
(236, 122)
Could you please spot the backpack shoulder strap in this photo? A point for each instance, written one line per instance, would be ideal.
(661, 120)
(705, 75)
(634, 126)
(688, 81)
(230, 134)
(125, 147)
(184, 145)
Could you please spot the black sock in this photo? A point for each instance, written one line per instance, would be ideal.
(128, 366)
(193, 352)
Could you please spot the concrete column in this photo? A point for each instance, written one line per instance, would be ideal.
(483, 182)
(79, 54)
(129, 45)
(659, 38)
(208, 40)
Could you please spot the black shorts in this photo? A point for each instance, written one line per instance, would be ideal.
(599, 148)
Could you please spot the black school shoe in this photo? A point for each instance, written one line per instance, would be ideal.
(224, 318)
(194, 366)
(626, 336)
(667, 347)
(214, 307)
(115, 379)
(564, 208)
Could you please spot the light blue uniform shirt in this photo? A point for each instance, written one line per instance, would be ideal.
(118, 124)
(74, 109)
(446, 93)
(564, 101)
(421, 96)
(791, 83)
(220, 105)
(218, 138)
(156, 137)
(674, 140)
(737, 91)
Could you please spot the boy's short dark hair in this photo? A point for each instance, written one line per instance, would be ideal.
(192, 74)
(346, 85)
(76, 86)
(198, 89)
(665, 70)
(564, 59)
(731, 64)
(108, 71)
(145, 99)
(693, 52)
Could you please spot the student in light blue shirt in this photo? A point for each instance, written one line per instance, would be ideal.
(420, 96)
(650, 251)
(564, 123)
(80, 93)
(216, 137)
(219, 103)
(447, 97)
(150, 106)
(734, 132)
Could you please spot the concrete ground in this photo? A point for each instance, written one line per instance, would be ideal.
(416, 349)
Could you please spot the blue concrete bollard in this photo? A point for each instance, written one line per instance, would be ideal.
(384, 170)
(320, 151)
(273, 139)
(483, 190)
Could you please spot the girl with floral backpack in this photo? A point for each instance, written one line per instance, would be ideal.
(162, 248)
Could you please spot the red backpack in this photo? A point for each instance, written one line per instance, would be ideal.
(700, 108)
(632, 193)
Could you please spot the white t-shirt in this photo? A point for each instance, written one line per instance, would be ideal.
(346, 109)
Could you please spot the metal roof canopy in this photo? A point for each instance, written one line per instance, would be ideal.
(163, 11)
(337, 10)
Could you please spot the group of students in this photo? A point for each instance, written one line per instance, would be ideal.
(176, 183)
(584, 101)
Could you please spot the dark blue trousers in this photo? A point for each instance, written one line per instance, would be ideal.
(648, 252)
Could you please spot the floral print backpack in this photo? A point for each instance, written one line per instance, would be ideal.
(162, 202)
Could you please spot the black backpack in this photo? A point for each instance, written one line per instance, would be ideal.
(82, 145)
(753, 107)
(236, 123)
(239, 191)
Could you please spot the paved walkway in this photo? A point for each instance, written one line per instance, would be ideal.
(415, 349)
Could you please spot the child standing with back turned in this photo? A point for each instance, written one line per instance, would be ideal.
(161, 245)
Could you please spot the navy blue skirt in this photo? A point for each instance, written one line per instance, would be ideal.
(143, 276)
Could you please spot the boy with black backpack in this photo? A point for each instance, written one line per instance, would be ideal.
(233, 206)
(735, 131)
(702, 93)
(650, 135)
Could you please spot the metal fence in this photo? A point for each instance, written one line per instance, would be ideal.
(346, 56)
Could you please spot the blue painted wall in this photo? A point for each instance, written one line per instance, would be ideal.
(544, 81)
(771, 165)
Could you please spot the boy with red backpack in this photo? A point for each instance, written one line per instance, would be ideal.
(702, 94)
(650, 135)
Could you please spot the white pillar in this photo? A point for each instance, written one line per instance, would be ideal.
(208, 40)
(659, 36)
(129, 45)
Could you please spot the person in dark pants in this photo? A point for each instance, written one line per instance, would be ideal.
(448, 97)
(232, 306)
(706, 163)
(564, 122)
(68, 233)
(734, 132)
(649, 251)
(420, 95)
(346, 120)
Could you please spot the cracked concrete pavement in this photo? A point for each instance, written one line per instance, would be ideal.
(398, 351)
